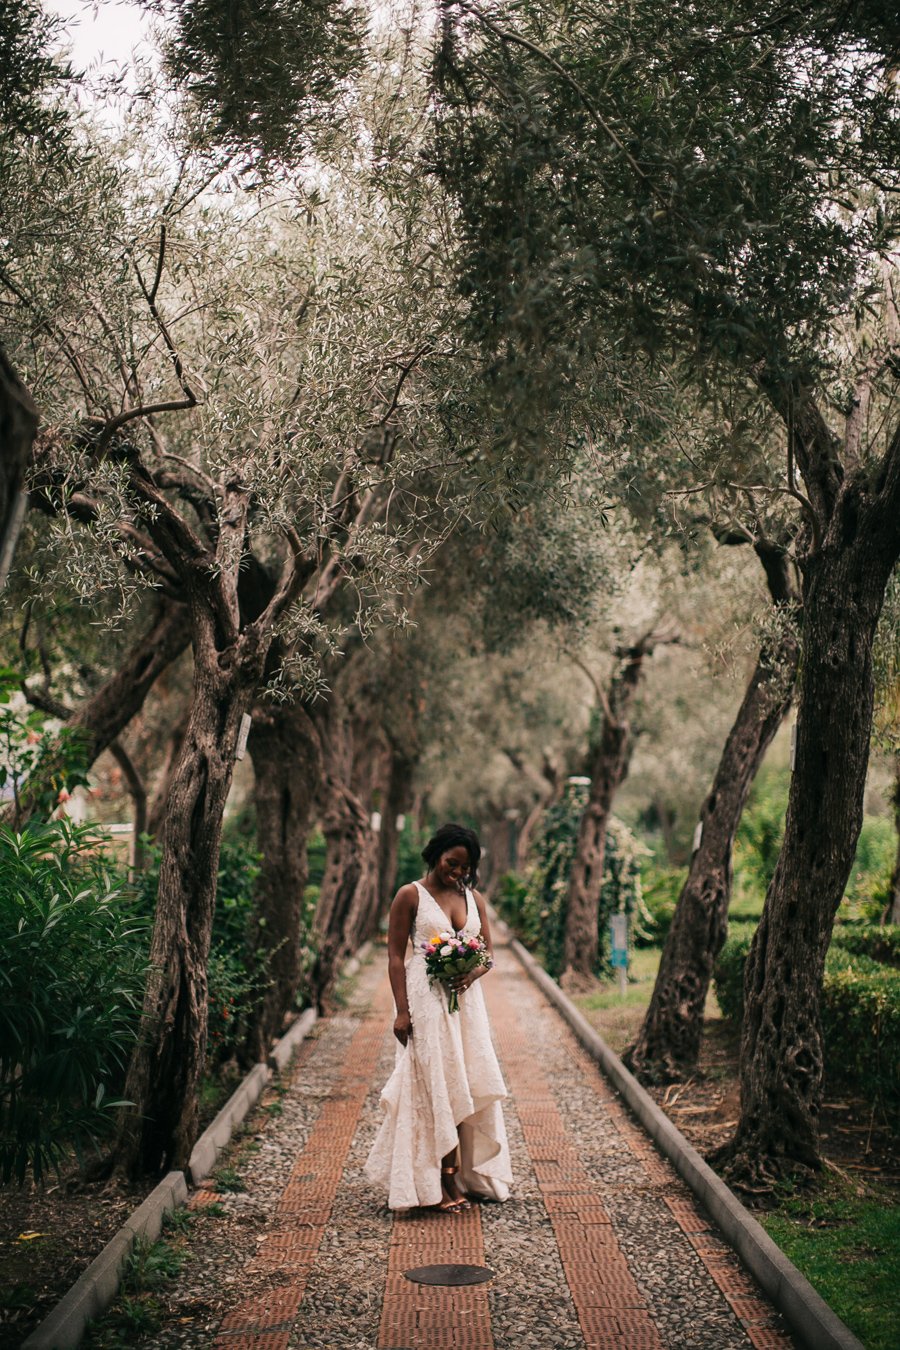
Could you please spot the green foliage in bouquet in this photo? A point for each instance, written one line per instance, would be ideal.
(71, 984)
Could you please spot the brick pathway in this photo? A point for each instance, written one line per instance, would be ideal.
(600, 1245)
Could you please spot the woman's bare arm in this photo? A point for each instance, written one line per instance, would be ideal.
(463, 982)
(400, 922)
(485, 926)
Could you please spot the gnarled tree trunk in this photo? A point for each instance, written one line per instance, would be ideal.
(156, 811)
(398, 798)
(18, 427)
(105, 715)
(608, 767)
(287, 762)
(349, 885)
(892, 909)
(159, 1129)
(781, 1049)
(668, 1043)
(349, 896)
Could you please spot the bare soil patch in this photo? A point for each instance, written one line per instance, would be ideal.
(856, 1138)
(49, 1234)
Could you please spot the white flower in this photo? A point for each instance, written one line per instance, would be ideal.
(445, 951)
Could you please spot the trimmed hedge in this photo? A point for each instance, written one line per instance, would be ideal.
(728, 974)
(860, 1012)
(881, 943)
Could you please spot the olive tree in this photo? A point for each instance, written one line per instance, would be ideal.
(242, 403)
(716, 191)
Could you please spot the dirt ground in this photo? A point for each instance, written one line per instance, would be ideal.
(49, 1234)
(855, 1138)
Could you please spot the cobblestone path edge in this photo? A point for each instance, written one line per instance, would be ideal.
(814, 1324)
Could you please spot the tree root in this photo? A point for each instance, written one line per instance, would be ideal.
(748, 1168)
(659, 1071)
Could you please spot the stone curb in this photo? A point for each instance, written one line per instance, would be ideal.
(806, 1312)
(284, 1049)
(96, 1287)
(217, 1135)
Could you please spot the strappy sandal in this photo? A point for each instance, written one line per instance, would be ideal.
(460, 1203)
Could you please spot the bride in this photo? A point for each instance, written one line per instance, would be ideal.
(442, 1137)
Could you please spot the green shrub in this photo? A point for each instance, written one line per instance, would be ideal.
(236, 977)
(869, 883)
(661, 887)
(880, 943)
(71, 984)
(512, 900)
(728, 974)
(861, 1025)
(58, 763)
(536, 906)
(758, 840)
(410, 843)
(860, 1013)
(315, 854)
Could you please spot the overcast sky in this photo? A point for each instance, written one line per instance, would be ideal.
(100, 31)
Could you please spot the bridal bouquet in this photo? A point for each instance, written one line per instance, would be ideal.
(450, 954)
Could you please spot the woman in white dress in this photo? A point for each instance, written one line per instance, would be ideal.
(443, 1136)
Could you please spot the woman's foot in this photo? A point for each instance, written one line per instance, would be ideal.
(451, 1201)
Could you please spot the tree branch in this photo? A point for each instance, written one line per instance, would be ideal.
(169, 405)
(505, 35)
(597, 687)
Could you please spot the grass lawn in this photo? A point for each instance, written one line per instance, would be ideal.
(843, 1233)
(846, 1240)
(616, 1016)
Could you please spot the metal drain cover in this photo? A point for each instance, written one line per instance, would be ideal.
(449, 1274)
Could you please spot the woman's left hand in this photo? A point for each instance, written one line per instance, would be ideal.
(463, 982)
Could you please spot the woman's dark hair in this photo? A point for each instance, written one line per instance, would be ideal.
(447, 837)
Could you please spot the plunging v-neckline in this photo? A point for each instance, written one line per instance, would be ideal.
(440, 907)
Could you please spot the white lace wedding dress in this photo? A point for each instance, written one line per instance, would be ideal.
(446, 1084)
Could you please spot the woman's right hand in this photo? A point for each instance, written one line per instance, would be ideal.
(403, 1027)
